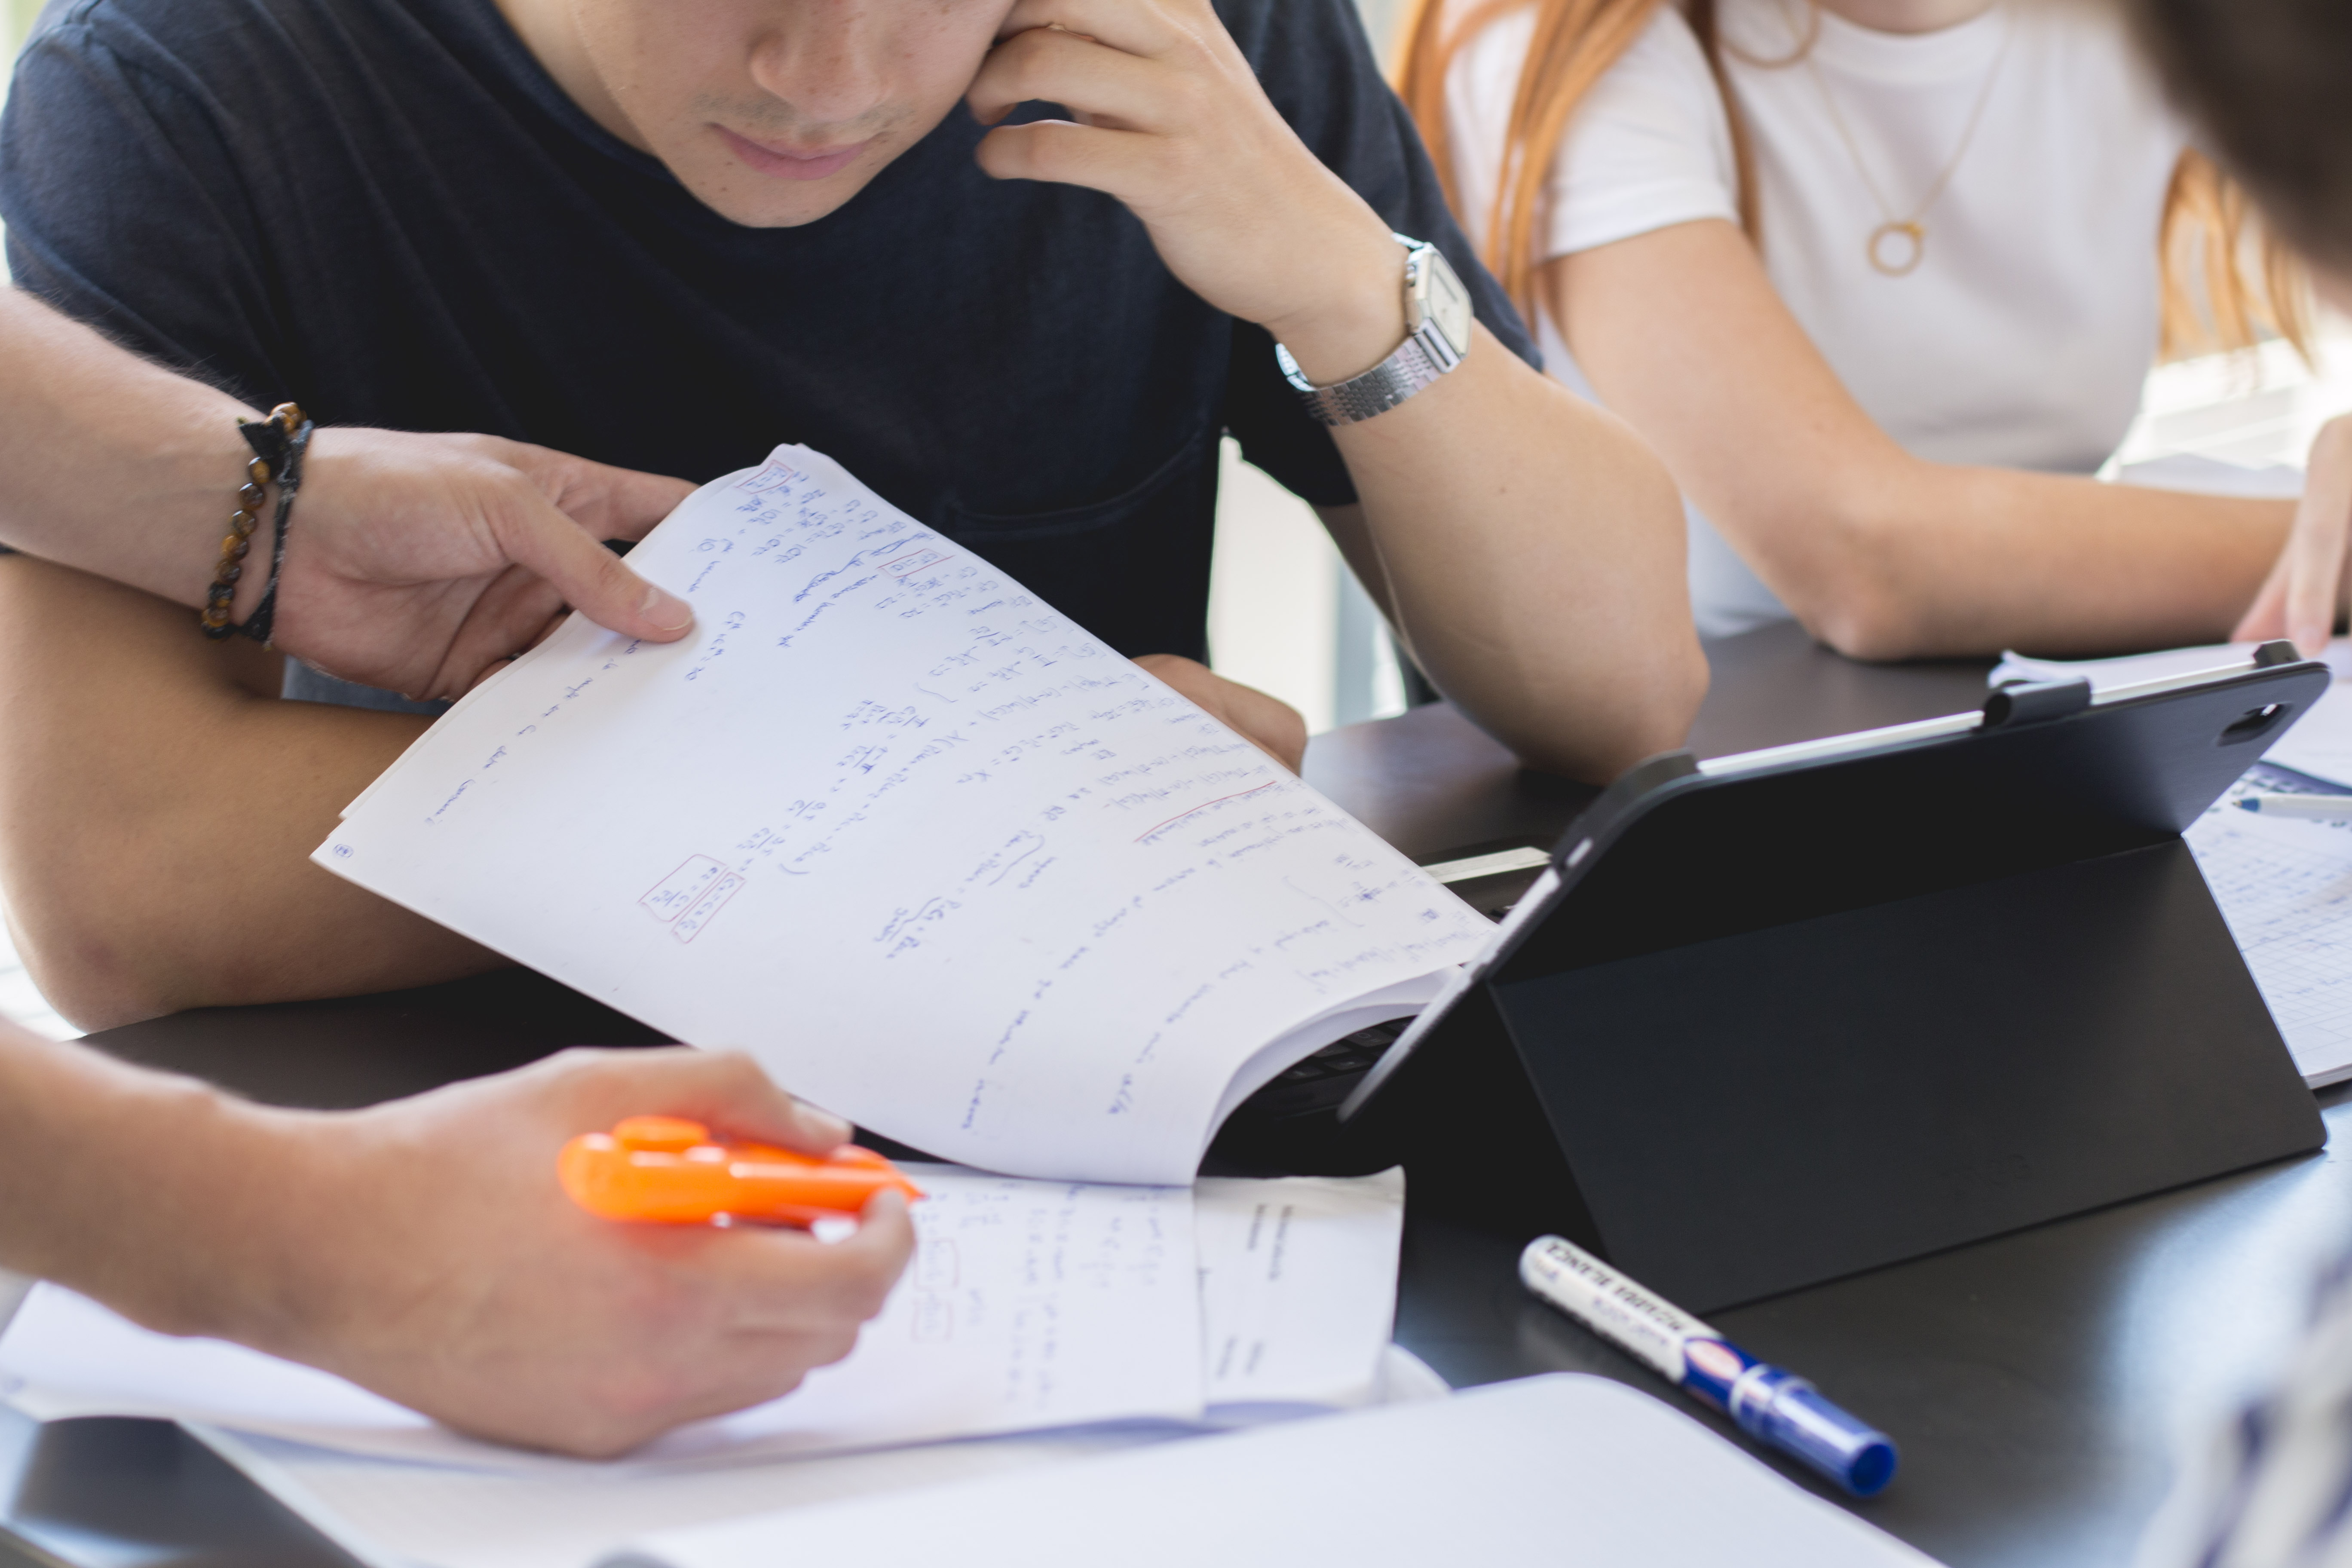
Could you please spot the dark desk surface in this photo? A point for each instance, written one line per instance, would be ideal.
(2035, 1383)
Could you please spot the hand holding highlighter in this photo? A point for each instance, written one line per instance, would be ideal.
(665, 1170)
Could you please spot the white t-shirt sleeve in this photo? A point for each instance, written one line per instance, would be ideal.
(1650, 146)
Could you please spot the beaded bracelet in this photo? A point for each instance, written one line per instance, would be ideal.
(278, 443)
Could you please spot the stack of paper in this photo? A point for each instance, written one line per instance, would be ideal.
(1095, 1317)
(1028, 1305)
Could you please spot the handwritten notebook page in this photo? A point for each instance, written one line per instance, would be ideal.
(950, 865)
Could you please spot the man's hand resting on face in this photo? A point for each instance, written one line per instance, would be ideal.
(416, 562)
(1269, 723)
(1168, 118)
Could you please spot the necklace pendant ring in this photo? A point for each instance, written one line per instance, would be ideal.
(1906, 240)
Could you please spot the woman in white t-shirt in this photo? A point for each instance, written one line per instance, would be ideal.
(1880, 280)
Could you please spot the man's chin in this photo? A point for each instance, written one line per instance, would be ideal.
(756, 202)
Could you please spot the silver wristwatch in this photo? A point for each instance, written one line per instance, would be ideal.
(1437, 317)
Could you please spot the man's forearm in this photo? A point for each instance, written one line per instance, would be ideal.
(133, 1186)
(114, 465)
(158, 806)
(1529, 550)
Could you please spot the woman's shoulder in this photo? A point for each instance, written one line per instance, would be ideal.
(1664, 60)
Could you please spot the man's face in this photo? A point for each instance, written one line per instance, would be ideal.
(773, 112)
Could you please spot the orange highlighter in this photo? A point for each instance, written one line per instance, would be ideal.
(666, 1170)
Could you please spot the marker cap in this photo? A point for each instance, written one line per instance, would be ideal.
(1795, 1417)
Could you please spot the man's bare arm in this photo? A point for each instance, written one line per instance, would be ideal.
(1529, 548)
(158, 807)
(418, 562)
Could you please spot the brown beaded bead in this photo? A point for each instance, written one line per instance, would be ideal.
(220, 599)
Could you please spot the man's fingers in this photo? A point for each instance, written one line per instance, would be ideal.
(1043, 66)
(1145, 27)
(723, 1090)
(609, 503)
(1064, 154)
(506, 618)
(588, 577)
(1265, 721)
(795, 1283)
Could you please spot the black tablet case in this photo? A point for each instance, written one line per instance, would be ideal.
(1789, 1023)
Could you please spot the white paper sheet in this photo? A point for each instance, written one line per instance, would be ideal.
(2211, 476)
(394, 1515)
(2285, 889)
(1565, 1469)
(952, 866)
(1297, 1286)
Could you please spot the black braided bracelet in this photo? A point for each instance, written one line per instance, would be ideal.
(278, 443)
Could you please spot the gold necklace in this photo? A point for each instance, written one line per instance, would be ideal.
(1910, 232)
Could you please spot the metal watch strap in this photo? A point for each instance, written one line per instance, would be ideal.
(1377, 391)
(1426, 354)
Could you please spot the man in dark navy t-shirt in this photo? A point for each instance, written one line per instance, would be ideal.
(668, 234)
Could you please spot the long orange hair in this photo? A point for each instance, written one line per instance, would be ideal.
(2204, 242)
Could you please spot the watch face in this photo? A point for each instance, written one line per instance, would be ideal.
(1448, 303)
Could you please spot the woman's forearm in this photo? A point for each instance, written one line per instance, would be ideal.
(1936, 560)
(1881, 554)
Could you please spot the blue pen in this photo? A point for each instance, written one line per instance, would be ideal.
(1772, 1406)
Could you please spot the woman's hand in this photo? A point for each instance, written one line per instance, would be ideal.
(423, 1249)
(2306, 589)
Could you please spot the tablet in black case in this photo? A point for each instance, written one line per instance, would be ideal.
(1777, 1018)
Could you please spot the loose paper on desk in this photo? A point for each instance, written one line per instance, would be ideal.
(1561, 1469)
(2285, 889)
(1298, 1292)
(947, 863)
(1029, 1306)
